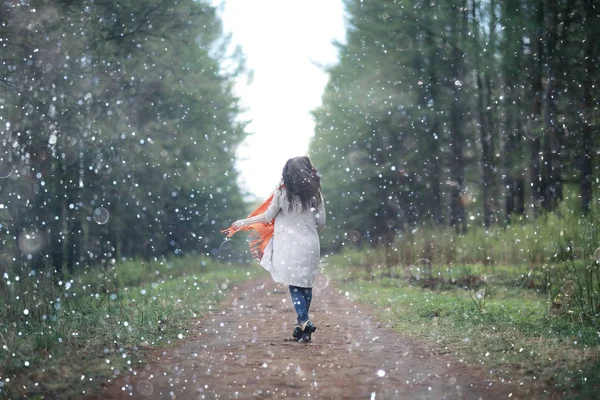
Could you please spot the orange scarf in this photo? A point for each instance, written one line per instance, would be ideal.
(260, 234)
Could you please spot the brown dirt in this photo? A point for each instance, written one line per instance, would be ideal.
(243, 351)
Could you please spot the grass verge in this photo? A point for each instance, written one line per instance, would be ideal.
(499, 323)
(66, 338)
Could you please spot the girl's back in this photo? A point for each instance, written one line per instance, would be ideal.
(296, 247)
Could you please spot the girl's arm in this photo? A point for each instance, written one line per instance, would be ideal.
(265, 217)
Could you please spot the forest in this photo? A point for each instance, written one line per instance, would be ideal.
(468, 113)
(457, 144)
(120, 112)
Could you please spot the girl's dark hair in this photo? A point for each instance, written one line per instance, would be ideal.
(301, 179)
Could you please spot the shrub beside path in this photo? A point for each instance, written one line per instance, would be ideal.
(244, 350)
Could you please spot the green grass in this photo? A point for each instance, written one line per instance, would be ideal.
(556, 253)
(558, 236)
(512, 330)
(89, 328)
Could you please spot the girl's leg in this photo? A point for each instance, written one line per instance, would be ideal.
(309, 328)
(307, 292)
(299, 301)
(301, 298)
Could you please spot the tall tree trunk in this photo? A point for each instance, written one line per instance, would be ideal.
(586, 166)
(484, 108)
(457, 173)
(536, 177)
(489, 171)
(520, 195)
(435, 154)
(552, 146)
(57, 223)
(512, 50)
(486, 156)
(114, 230)
(41, 183)
(74, 245)
(434, 135)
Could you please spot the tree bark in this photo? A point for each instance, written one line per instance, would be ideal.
(536, 177)
(484, 111)
(512, 50)
(56, 223)
(434, 135)
(457, 173)
(586, 166)
(552, 144)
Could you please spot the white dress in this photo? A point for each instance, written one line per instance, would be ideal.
(292, 255)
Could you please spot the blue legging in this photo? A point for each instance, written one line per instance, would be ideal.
(301, 298)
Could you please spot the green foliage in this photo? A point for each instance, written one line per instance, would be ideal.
(119, 132)
(102, 323)
(427, 118)
(556, 254)
(574, 274)
(522, 300)
(515, 335)
(562, 235)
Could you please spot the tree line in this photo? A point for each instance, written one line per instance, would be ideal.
(118, 131)
(458, 113)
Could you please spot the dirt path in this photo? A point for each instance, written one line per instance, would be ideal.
(242, 352)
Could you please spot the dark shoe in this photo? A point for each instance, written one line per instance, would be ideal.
(297, 333)
(305, 338)
(309, 328)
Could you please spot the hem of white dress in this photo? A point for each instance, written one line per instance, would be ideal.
(288, 283)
